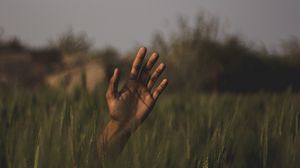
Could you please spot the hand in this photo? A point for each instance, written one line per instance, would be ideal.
(130, 107)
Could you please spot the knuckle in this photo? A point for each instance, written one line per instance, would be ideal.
(161, 68)
(112, 80)
(155, 94)
(154, 78)
(108, 95)
(150, 84)
(159, 89)
(134, 71)
(153, 59)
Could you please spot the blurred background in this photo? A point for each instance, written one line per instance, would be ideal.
(227, 61)
(224, 46)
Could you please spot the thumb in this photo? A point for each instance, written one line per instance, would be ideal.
(112, 90)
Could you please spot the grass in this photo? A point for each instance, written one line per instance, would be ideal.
(53, 129)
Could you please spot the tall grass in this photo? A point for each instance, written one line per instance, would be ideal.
(53, 129)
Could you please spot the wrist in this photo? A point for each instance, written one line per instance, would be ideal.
(125, 126)
(118, 127)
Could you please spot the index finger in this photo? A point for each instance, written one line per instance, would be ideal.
(137, 63)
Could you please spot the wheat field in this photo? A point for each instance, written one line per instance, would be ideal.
(47, 128)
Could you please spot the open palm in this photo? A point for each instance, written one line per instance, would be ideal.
(132, 104)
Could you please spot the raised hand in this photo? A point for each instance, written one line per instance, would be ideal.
(130, 106)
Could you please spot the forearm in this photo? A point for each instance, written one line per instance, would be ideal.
(112, 140)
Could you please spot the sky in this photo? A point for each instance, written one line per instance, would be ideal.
(125, 24)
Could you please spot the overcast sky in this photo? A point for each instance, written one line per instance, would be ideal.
(127, 23)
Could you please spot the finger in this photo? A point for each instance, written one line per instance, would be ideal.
(137, 63)
(148, 66)
(155, 75)
(112, 90)
(160, 88)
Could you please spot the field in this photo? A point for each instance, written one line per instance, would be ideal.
(49, 128)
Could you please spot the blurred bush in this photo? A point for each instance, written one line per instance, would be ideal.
(291, 50)
(201, 58)
(70, 42)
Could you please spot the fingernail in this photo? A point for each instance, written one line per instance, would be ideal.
(156, 54)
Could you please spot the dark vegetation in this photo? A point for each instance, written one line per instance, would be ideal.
(215, 61)
(227, 63)
(21, 66)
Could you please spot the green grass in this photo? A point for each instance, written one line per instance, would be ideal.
(52, 129)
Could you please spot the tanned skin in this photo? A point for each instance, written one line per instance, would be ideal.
(130, 106)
